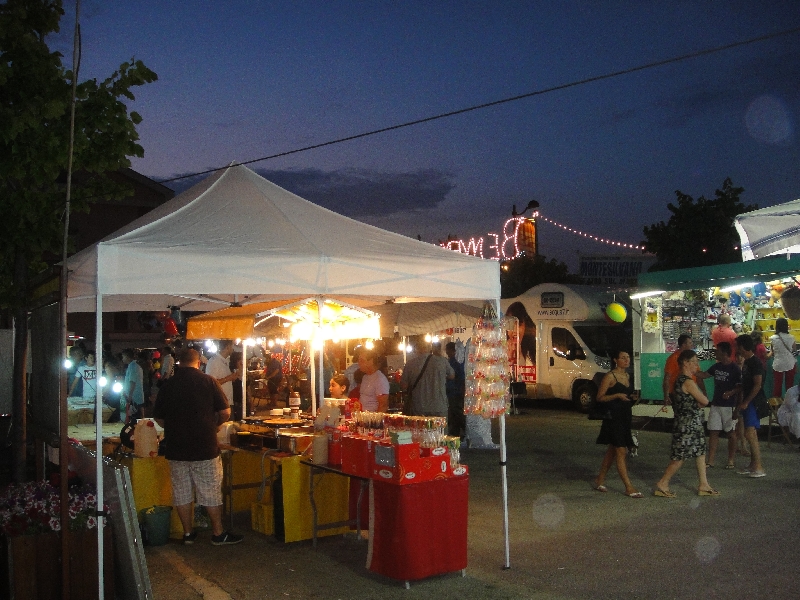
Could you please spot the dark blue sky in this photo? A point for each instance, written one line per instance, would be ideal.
(240, 80)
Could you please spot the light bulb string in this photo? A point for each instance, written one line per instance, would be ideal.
(590, 236)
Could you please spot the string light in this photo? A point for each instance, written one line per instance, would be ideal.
(589, 235)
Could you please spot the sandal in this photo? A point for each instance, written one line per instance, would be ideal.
(599, 488)
(729, 467)
(664, 493)
(711, 492)
(635, 495)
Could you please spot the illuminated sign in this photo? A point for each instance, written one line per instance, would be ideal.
(519, 235)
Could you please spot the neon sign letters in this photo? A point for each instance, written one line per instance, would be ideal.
(503, 246)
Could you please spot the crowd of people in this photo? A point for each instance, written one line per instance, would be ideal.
(739, 377)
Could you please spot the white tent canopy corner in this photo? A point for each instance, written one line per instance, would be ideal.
(770, 231)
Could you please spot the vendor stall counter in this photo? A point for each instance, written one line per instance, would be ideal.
(246, 475)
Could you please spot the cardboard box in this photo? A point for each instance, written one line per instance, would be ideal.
(357, 455)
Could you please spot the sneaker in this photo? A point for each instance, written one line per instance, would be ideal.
(189, 538)
(226, 538)
(758, 474)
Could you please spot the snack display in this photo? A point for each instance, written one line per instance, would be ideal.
(487, 368)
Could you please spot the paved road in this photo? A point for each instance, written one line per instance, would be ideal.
(567, 540)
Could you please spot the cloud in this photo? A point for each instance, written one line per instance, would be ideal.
(357, 192)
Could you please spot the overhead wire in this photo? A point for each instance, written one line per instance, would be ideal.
(461, 111)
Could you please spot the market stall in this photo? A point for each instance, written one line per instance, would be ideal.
(237, 238)
(689, 301)
(310, 320)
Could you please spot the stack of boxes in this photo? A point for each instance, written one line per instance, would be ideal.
(396, 459)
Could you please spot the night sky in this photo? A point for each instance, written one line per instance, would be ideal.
(242, 80)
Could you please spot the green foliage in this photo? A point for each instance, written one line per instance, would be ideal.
(35, 93)
(521, 274)
(699, 233)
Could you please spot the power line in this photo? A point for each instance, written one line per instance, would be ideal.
(461, 111)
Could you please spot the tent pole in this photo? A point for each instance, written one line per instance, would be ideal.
(244, 380)
(313, 387)
(503, 473)
(504, 477)
(321, 382)
(98, 350)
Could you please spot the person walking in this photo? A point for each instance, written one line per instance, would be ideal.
(671, 368)
(616, 390)
(190, 406)
(424, 377)
(688, 436)
(752, 384)
(727, 376)
(784, 363)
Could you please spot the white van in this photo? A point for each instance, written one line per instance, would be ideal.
(573, 341)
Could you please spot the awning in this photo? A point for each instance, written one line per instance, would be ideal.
(764, 269)
(335, 318)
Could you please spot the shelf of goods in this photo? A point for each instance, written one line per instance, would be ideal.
(765, 319)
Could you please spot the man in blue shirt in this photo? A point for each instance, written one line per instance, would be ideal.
(132, 397)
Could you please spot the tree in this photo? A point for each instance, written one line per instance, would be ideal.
(35, 98)
(522, 273)
(699, 233)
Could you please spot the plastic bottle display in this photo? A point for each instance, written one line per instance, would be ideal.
(487, 368)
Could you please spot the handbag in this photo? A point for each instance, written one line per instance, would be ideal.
(762, 405)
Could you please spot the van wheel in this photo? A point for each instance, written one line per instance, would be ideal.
(583, 396)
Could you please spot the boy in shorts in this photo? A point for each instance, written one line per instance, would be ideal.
(727, 376)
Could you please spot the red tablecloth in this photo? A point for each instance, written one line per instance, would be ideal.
(418, 530)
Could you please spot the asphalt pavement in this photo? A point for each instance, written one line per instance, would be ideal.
(567, 541)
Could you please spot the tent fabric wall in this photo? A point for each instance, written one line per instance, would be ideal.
(236, 236)
(769, 231)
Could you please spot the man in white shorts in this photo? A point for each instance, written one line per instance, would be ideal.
(190, 407)
(726, 376)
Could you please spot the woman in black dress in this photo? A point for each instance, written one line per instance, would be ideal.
(617, 390)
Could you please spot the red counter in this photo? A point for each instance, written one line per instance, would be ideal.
(418, 530)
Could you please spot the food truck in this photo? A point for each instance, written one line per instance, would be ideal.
(571, 342)
(667, 304)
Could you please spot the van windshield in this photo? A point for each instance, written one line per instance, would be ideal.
(602, 339)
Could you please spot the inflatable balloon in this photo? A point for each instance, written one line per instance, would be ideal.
(616, 312)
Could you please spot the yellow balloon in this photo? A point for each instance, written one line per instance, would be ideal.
(616, 312)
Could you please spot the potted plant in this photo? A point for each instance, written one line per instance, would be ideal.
(30, 522)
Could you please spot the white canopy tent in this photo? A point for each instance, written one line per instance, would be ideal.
(769, 231)
(237, 238)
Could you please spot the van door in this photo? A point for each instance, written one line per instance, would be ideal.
(564, 362)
